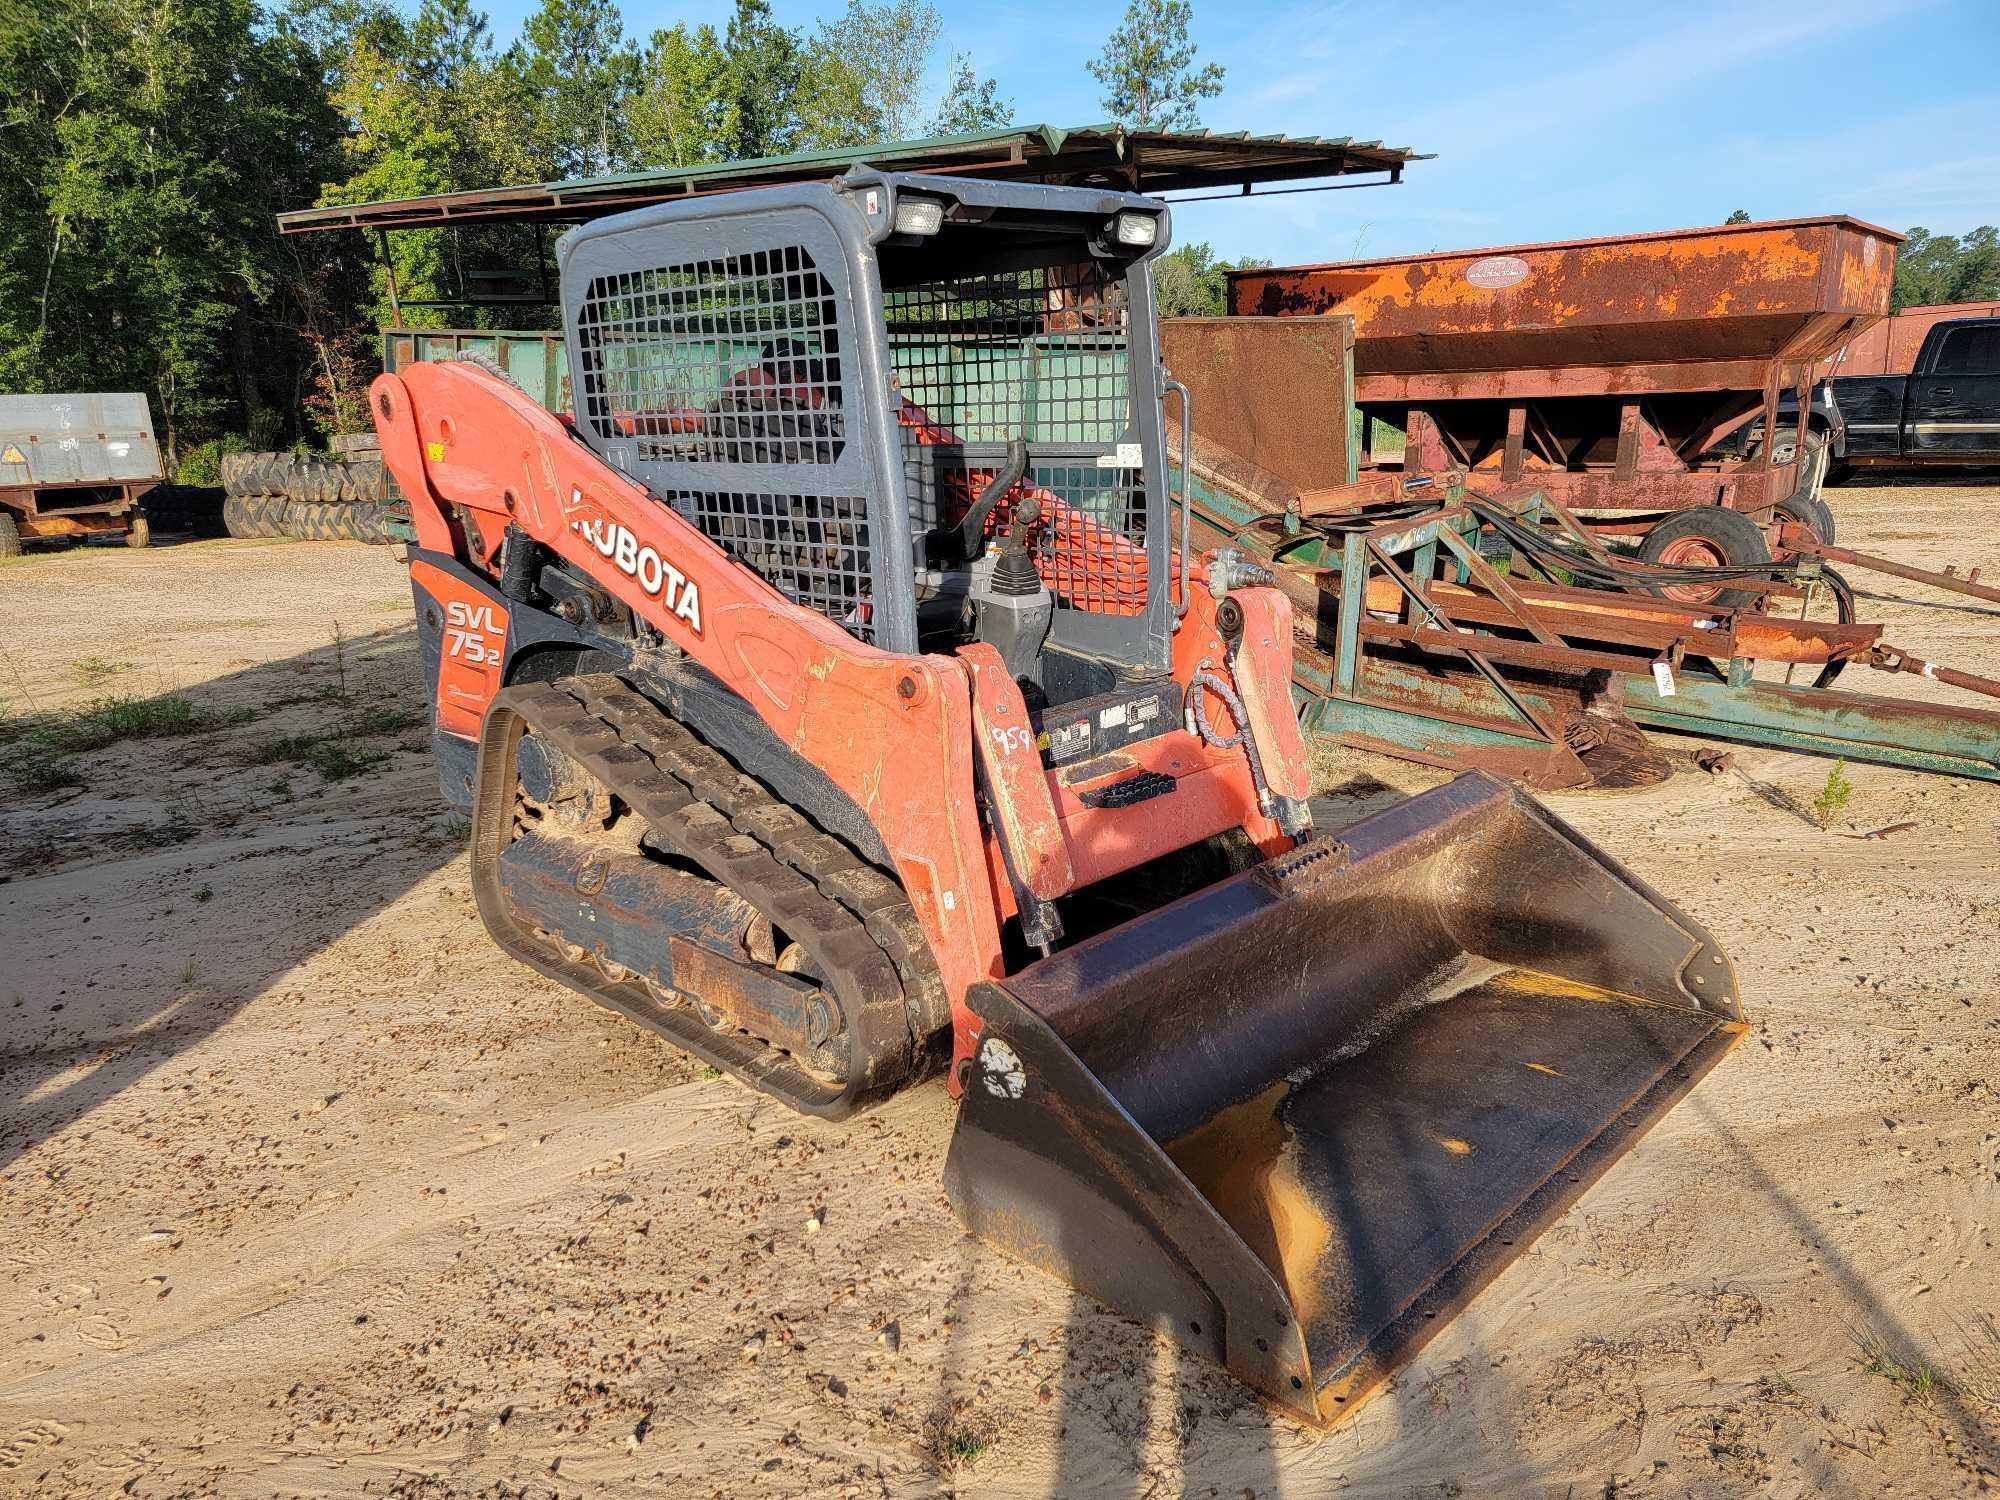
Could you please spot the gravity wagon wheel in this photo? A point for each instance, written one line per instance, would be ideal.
(1706, 536)
(139, 533)
(10, 535)
(1810, 512)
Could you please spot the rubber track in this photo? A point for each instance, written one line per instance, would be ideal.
(853, 919)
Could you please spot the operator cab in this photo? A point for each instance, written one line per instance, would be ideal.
(926, 407)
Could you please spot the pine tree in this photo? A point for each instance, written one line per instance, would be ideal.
(576, 72)
(763, 83)
(1148, 72)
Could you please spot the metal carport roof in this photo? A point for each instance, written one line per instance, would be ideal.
(1152, 161)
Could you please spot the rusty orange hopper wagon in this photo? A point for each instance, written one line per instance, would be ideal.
(832, 696)
(1629, 374)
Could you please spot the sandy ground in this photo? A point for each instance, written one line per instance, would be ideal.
(306, 1190)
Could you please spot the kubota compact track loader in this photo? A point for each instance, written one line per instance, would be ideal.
(829, 696)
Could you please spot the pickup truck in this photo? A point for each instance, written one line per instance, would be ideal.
(1944, 414)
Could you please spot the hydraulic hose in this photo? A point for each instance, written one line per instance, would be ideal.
(966, 536)
(1205, 681)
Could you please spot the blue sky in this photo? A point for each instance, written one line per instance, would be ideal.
(1549, 120)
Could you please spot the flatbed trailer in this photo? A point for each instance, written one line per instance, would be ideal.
(75, 466)
(1622, 374)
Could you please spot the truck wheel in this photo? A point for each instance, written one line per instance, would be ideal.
(10, 535)
(1813, 473)
(139, 533)
(1706, 536)
(1837, 473)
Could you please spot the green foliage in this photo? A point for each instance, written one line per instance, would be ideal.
(151, 144)
(1739, 216)
(109, 720)
(1188, 281)
(762, 85)
(1148, 71)
(1943, 268)
(574, 73)
(1832, 799)
(682, 114)
(885, 50)
(148, 146)
(203, 463)
(41, 771)
(969, 103)
(1920, 1381)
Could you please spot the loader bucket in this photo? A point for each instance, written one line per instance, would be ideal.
(1299, 1119)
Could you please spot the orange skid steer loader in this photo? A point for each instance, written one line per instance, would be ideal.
(831, 696)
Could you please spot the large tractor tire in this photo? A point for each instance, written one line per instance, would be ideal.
(315, 499)
(340, 521)
(1706, 536)
(258, 517)
(10, 535)
(253, 473)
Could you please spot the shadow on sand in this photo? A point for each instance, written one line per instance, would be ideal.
(121, 952)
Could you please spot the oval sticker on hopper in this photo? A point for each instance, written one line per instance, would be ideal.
(1497, 271)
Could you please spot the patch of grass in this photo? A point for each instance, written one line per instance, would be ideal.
(91, 670)
(1979, 1362)
(335, 755)
(338, 759)
(1832, 799)
(106, 721)
(1920, 1381)
(710, 1073)
(383, 718)
(336, 752)
(457, 828)
(953, 1446)
(42, 772)
(205, 895)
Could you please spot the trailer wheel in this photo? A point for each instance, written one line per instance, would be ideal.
(139, 533)
(1706, 536)
(10, 535)
(1810, 512)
